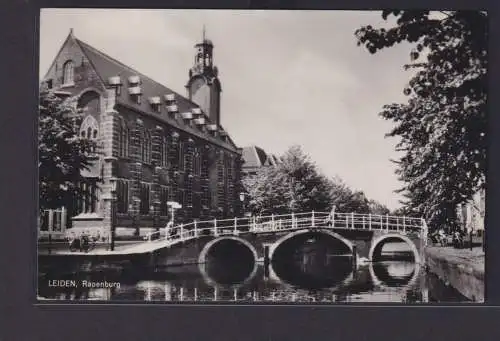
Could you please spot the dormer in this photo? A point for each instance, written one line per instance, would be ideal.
(169, 98)
(196, 111)
(115, 82)
(187, 117)
(134, 88)
(172, 109)
(155, 102)
(223, 134)
(134, 80)
(200, 121)
(135, 93)
(212, 129)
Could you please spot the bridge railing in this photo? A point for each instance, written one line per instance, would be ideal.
(292, 221)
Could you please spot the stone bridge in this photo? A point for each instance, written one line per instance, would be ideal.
(277, 238)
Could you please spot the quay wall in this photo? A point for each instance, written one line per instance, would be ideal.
(465, 274)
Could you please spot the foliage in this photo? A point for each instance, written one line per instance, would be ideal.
(296, 185)
(377, 208)
(442, 128)
(62, 154)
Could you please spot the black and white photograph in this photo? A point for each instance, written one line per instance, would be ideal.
(262, 156)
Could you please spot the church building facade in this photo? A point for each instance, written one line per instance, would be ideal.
(156, 146)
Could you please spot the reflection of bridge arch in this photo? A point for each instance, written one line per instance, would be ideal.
(291, 235)
(377, 241)
(378, 283)
(210, 244)
(209, 281)
(273, 276)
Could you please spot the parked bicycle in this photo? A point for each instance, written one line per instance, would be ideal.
(438, 237)
(83, 243)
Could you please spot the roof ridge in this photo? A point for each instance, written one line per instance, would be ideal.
(114, 60)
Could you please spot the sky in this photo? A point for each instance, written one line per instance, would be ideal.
(288, 78)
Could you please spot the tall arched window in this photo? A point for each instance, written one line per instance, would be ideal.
(146, 147)
(197, 162)
(68, 72)
(181, 156)
(89, 129)
(123, 139)
(164, 152)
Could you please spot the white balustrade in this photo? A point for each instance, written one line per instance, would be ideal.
(283, 222)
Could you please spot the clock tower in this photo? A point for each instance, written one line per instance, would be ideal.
(203, 87)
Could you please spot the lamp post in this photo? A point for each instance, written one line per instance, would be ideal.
(113, 213)
(173, 206)
(242, 199)
(156, 215)
(136, 201)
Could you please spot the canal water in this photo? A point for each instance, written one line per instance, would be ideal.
(336, 280)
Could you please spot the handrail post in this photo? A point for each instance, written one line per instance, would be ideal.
(254, 223)
(293, 218)
(272, 221)
(235, 231)
(387, 222)
(63, 219)
(404, 224)
(363, 221)
(346, 221)
(369, 221)
(215, 226)
(195, 229)
(312, 219)
(50, 228)
(182, 232)
(397, 223)
(352, 220)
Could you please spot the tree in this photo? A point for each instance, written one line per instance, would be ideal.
(442, 128)
(62, 153)
(294, 185)
(377, 208)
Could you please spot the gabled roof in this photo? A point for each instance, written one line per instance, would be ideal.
(107, 67)
(255, 157)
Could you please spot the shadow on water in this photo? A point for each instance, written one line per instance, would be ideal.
(228, 262)
(393, 273)
(312, 261)
(306, 277)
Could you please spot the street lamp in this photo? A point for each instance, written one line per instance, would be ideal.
(156, 213)
(137, 209)
(242, 199)
(173, 206)
(113, 183)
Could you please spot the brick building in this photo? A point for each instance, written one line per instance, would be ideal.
(157, 146)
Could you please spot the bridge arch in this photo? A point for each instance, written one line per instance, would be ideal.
(291, 235)
(204, 252)
(377, 242)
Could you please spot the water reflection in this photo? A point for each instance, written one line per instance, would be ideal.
(394, 273)
(378, 282)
